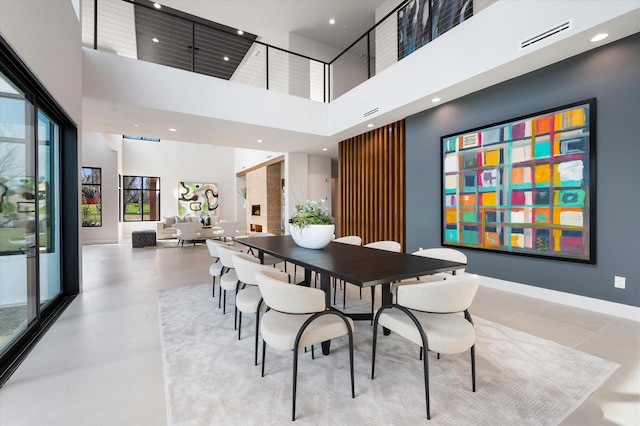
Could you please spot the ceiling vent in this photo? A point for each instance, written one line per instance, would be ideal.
(371, 112)
(546, 34)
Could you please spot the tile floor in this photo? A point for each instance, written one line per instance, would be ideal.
(101, 362)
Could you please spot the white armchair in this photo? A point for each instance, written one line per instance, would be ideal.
(188, 231)
(429, 315)
(298, 317)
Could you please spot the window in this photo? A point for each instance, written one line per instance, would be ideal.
(141, 198)
(91, 196)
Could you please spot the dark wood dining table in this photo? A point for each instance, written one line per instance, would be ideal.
(362, 266)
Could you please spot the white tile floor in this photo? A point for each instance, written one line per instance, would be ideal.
(101, 362)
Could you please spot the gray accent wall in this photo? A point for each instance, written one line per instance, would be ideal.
(611, 74)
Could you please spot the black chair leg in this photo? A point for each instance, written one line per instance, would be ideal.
(344, 294)
(213, 294)
(255, 352)
(264, 349)
(373, 352)
(425, 361)
(295, 380)
(473, 368)
(224, 302)
(239, 322)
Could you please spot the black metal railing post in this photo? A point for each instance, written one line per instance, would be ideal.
(95, 24)
(267, 65)
(369, 55)
(193, 47)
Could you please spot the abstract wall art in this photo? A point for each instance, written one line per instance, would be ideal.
(524, 186)
(199, 199)
(421, 21)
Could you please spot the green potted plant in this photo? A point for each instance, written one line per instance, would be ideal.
(312, 226)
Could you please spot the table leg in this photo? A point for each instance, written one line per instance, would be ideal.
(387, 299)
(325, 285)
(307, 277)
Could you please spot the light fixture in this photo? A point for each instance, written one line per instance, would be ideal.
(434, 100)
(599, 37)
(332, 21)
(155, 40)
(370, 125)
(240, 32)
(135, 125)
(324, 149)
(226, 58)
(157, 5)
(172, 129)
(259, 141)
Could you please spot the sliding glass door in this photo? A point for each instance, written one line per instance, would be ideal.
(18, 228)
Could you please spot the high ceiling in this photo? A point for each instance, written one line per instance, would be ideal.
(273, 21)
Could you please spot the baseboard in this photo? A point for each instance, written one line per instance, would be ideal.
(91, 242)
(602, 306)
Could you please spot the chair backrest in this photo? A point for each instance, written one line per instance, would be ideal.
(188, 230)
(385, 245)
(281, 296)
(225, 254)
(454, 294)
(444, 253)
(229, 229)
(349, 239)
(246, 267)
(213, 245)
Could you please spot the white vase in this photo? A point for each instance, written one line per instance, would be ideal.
(312, 236)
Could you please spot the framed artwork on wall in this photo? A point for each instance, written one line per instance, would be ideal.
(199, 199)
(421, 21)
(524, 186)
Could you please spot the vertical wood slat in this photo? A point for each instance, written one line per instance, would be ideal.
(371, 178)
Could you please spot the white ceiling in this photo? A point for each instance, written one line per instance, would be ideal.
(273, 20)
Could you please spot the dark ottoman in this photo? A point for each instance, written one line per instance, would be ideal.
(143, 238)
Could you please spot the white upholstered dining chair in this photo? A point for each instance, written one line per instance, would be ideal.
(249, 299)
(215, 270)
(387, 245)
(297, 317)
(434, 316)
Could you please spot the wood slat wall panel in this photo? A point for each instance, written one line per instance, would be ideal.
(371, 185)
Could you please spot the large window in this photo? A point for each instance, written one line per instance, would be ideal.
(91, 196)
(141, 198)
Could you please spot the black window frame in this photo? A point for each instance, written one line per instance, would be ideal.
(92, 184)
(126, 189)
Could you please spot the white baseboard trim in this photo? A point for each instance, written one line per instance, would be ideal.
(602, 306)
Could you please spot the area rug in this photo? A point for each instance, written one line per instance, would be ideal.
(211, 379)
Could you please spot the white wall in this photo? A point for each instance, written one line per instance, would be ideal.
(173, 162)
(247, 158)
(46, 35)
(97, 151)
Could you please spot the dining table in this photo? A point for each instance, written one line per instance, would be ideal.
(358, 265)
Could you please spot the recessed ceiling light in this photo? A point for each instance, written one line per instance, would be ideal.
(324, 149)
(434, 100)
(370, 125)
(226, 58)
(259, 141)
(332, 21)
(240, 32)
(157, 5)
(135, 125)
(172, 129)
(599, 37)
(155, 40)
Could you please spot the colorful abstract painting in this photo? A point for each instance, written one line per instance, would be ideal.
(198, 199)
(524, 186)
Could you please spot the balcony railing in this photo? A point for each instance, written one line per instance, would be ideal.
(136, 29)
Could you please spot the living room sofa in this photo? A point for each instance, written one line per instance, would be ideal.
(165, 229)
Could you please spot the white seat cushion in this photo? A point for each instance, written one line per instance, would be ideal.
(229, 280)
(215, 269)
(446, 333)
(248, 298)
(279, 330)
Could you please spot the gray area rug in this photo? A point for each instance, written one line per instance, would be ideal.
(211, 380)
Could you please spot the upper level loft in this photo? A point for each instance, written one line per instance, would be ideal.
(150, 31)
